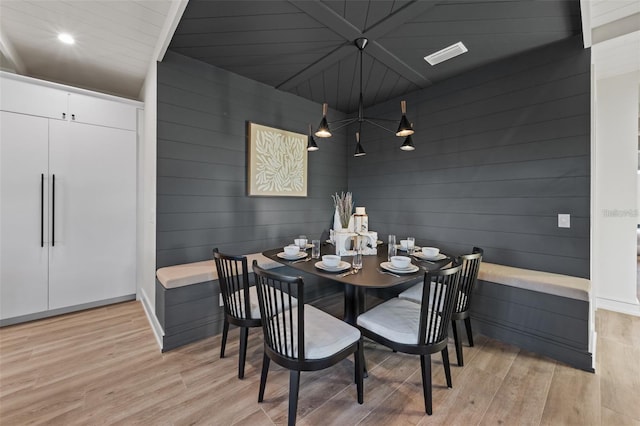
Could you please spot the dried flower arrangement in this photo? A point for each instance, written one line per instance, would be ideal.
(344, 206)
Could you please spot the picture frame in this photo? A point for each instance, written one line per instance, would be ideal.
(276, 162)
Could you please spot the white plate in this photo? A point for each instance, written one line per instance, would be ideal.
(342, 266)
(409, 270)
(399, 247)
(300, 255)
(438, 256)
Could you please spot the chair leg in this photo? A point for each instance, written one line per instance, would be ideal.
(447, 367)
(425, 367)
(263, 377)
(244, 335)
(467, 324)
(294, 385)
(225, 331)
(458, 343)
(359, 367)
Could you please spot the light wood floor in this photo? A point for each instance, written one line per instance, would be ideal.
(103, 367)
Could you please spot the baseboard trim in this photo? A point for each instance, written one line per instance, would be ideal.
(618, 306)
(61, 311)
(151, 317)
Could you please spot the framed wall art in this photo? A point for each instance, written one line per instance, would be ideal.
(276, 162)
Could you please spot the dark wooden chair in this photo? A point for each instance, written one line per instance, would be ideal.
(420, 329)
(301, 338)
(240, 301)
(468, 278)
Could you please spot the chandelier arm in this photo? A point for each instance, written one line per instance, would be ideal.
(344, 123)
(379, 125)
(379, 119)
(344, 120)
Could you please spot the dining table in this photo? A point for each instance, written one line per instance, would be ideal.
(372, 275)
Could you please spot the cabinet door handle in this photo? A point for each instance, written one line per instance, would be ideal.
(53, 210)
(73, 117)
(41, 209)
(64, 115)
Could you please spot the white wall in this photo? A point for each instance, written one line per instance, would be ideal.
(147, 201)
(614, 183)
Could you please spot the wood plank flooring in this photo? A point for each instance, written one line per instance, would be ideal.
(103, 367)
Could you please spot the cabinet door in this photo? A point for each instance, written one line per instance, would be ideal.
(102, 112)
(23, 214)
(33, 99)
(93, 257)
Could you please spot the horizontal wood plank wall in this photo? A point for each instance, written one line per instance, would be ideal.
(500, 152)
(201, 192)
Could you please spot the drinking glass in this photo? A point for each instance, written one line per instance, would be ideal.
(357, 260)
(302, 242)
(411, 244)
(392, 247)
(315, 250)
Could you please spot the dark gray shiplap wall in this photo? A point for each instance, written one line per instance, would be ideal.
(202, 202)
(500, 151)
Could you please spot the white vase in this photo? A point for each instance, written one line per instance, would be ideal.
(337, 225)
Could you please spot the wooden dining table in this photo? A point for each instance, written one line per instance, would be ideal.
(370, 276)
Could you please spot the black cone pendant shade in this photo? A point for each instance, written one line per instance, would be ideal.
(359, 149)
(404, 128)
(323, 128)
(408, 144)
(311, 143)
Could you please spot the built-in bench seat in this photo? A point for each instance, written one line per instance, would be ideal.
(197, 272)
(544, 282)
(188, 303)
(538, 311)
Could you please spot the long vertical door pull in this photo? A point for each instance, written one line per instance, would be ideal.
(53, 210)
(41, 209)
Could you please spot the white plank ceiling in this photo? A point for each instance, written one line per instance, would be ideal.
(115, 40)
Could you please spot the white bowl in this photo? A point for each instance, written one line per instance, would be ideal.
(430, 251)
(291, 250)
(331, 260)
(400, 262)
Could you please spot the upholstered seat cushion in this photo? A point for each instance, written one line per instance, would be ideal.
(397, 320)
(324, 335)
(199, 272)
(414, 294)
(255, 306)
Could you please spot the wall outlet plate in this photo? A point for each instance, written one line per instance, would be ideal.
(564, 221)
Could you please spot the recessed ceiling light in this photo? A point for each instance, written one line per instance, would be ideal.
(446, 53)
(66, 38)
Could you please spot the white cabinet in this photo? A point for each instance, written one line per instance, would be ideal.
(103, 112)
(18, 95)
(23, 214)
(67, 208)
(22, 96)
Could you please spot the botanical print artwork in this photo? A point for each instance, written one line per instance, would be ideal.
(277, 162)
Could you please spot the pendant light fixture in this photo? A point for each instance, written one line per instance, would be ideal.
(405, 128)
(311, 142)
(359, 149)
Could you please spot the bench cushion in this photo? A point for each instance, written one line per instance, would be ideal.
(199, 272)
(544, 282)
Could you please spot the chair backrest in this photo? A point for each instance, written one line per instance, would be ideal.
(468, 278)
(283, 326)
(438, 299)
(234, 284)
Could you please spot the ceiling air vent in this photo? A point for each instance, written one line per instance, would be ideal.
(446, 53)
